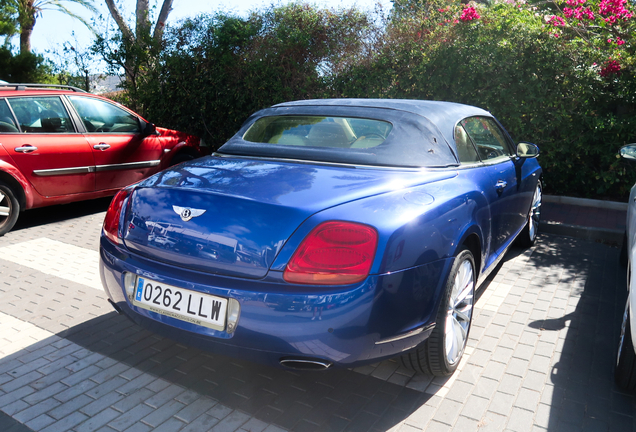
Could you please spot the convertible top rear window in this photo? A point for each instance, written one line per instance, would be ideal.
(319, 131)
(343, 134)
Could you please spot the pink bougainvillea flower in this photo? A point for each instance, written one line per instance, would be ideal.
(614, 10)
(618, 42)
(469, 14)
(612, 67)
(556, 21)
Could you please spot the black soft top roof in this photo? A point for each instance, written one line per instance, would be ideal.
(422, 134)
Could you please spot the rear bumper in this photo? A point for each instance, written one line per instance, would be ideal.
(378, 318)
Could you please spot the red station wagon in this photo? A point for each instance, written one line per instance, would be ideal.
(59, 144)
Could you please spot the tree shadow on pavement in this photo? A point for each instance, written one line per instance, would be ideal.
(45, 215)
(330, 400)
(580, 392)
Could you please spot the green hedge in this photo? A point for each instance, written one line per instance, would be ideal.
(546, 82)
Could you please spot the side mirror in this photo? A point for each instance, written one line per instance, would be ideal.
(148, 129)
(628, 152)
(527, 150)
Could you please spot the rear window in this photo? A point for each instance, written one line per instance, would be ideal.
(318, 131)
(342, 134)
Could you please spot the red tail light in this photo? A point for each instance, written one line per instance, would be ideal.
(111, 221)
(334, 253)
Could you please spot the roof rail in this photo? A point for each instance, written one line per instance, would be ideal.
(24, 86)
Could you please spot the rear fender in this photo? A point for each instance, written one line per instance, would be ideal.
(414, 228)
(185, 143)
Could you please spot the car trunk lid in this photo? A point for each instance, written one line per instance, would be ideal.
(231, 216)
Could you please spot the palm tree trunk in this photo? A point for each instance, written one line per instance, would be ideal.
(26, 19)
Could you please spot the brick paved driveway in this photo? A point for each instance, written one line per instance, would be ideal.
(540, 354)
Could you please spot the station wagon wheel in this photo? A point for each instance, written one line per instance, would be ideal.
(625, 371)
(9, 209)
(441, 353)
(529, 234)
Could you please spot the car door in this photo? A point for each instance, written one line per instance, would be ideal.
(48, 150)
(122, 154)
(499, 177)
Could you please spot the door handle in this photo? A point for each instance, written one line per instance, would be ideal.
(101, 146)
(25, 149)
(500, 185)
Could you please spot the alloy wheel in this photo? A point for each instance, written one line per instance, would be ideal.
(460, 310)
(621, 340)
(5, 208)
(535, 213)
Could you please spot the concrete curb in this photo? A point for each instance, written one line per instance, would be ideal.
(585, 202)
(600, 235)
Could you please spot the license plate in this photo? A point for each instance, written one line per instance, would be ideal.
(185, 305)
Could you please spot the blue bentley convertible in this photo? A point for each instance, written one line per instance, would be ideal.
(326, 233)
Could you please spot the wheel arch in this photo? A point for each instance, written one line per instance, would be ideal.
(473, 242)
(16, 187)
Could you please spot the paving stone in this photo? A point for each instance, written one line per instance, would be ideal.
(70, 406)
(253, 425)
(36, 410)
(75, 390)
(162, 413)
(527, 399)
(447, 412)
(204, 422)
(492, 422)
(45, 393)
(50, 379)
(501, 404)
(164, 396)
(22, 381)
(66, 423)
(195, 409)
(82, 375)
(130, 417)
(40, 422)
(98, 420)
(465, 424)
(106, 387)
(102, 403)
(31, 366)
(494, 370)
(15, 407)
(510, 384)
(475, 407)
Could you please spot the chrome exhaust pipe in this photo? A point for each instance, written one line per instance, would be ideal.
(114, 305)
(305, 364)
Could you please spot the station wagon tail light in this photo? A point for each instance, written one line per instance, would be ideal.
(333, 253)
(113, 215)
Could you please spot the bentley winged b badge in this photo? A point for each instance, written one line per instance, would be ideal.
(187, 213)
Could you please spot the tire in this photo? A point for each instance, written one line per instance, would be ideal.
(440, 354)
(9, 209)
(529, 234)
(625, 371)
(180, 158)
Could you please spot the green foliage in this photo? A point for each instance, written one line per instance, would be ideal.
(566, 84)
(8, 22)
(23, 67)
(216, 70)
(543, 88)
